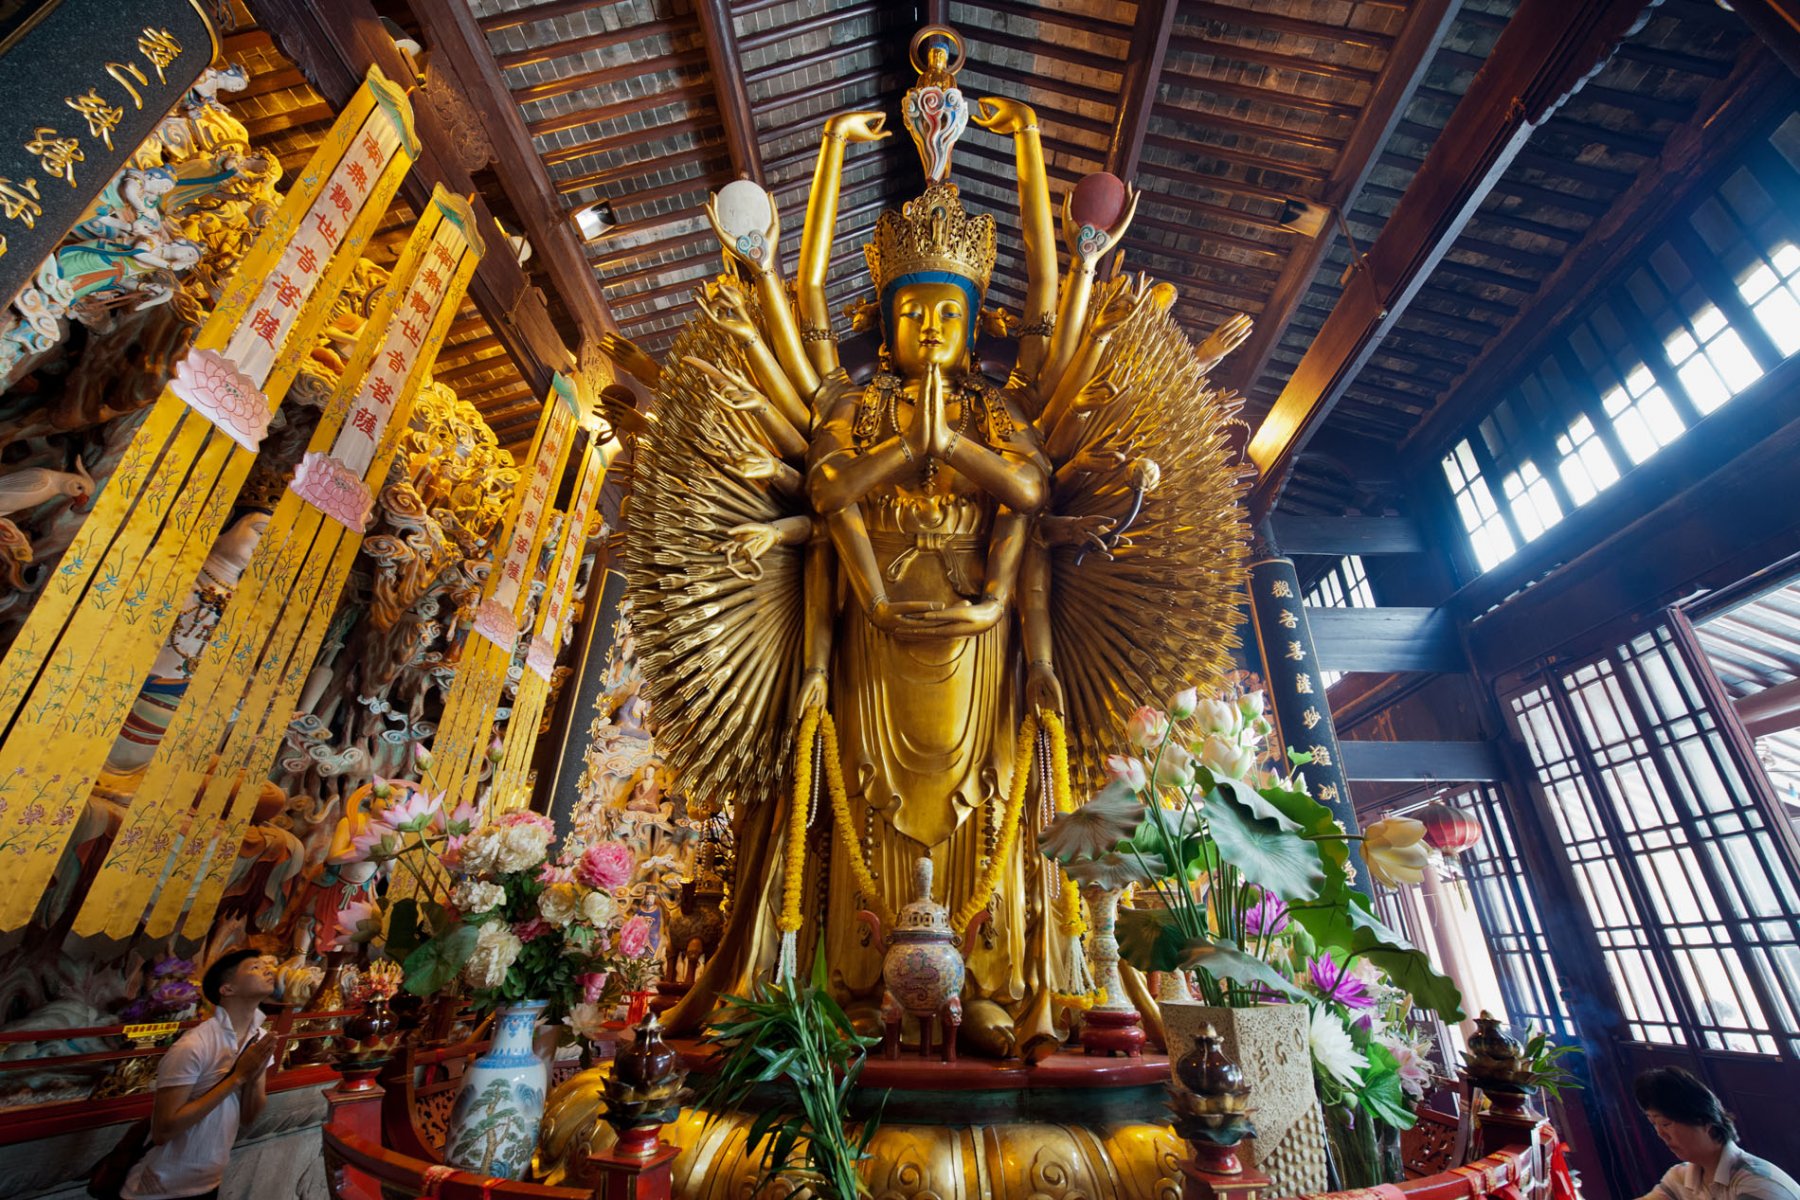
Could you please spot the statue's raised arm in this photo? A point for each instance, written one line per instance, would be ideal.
(1037, 226)
(821, 228)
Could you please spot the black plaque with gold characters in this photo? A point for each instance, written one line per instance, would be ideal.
(82, 84)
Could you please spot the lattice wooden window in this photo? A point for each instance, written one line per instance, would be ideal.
(1497, 882)
(1690, 897)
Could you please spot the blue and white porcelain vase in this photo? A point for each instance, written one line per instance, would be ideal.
(494, 1126)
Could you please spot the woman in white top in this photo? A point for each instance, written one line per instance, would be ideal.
(1696, 1128)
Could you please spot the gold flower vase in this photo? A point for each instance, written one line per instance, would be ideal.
(1269, 1041)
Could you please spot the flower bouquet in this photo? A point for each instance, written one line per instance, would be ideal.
(521, 925)
(1245, 888)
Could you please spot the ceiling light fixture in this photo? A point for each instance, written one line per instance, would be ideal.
(594, 220)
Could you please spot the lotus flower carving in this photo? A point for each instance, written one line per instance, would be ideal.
(334, 489)
(214, 386)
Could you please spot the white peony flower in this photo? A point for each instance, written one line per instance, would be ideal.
(477, 896)
(1333, 1051)
(598, 908)
(522, 847)
(587, 1020)
(559, 903)
(479, 850)
(495, 948)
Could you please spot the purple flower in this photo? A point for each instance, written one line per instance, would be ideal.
(1268, 916)
(1335, 983)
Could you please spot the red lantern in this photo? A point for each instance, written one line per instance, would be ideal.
(1448, 829)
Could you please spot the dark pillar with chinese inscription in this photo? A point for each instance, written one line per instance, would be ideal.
(1296, 691)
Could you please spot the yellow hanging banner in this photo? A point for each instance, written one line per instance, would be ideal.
(72, 674)
(511, 787)
(461, 739)
(240, 677)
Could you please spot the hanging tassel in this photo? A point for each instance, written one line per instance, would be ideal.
(786, 966)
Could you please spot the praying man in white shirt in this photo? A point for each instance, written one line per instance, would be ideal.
(212, 1082)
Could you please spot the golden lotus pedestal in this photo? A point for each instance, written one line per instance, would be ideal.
(1071, 1126)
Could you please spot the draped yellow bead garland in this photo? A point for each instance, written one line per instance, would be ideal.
(818, 740)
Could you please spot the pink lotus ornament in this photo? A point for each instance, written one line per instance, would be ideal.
(213, 386)
(334, 489)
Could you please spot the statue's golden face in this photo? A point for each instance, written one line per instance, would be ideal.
(931, 328)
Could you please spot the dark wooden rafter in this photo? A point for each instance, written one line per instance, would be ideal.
(1543, 54)
(723, 60)
(452, 31)
(1732, 108)
(1777, 22)
(1401, 75)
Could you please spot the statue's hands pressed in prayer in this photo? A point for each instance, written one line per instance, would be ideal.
(997, 114)
(858, 127)
(1043, 691)
(1226, 338)
(929, 434)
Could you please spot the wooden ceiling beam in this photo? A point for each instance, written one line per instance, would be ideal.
(1401, 76)
(685, 60)
(726, 65)
(606, 39)
(834, 53)
(1268, 132)
(1080, 22)
(1262, 57)
(1137, 86)
(711, 152)
(514, 18)
(1544, 53)
(1073, 56)
(1307, 173)
(470, 370)
(1145, 220)
(827, 88)
(631, 138)
(1223, 184)
(452, 33)
(1263, 95)
(1317, 31)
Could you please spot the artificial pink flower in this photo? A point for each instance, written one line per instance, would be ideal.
(530, 931)
(460, 821)
(607, 866)
(593, 986)
(413, 811)
(634, 937)
(552, 873)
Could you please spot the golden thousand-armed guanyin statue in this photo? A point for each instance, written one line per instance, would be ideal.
(926, 562)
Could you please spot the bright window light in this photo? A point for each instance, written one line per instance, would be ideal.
(1488, 535)
(1533, 503)
(1586, 466)
(1772, 290)
(1711, 359)
(1642, 415)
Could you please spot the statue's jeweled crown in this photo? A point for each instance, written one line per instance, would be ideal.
(932, 233)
